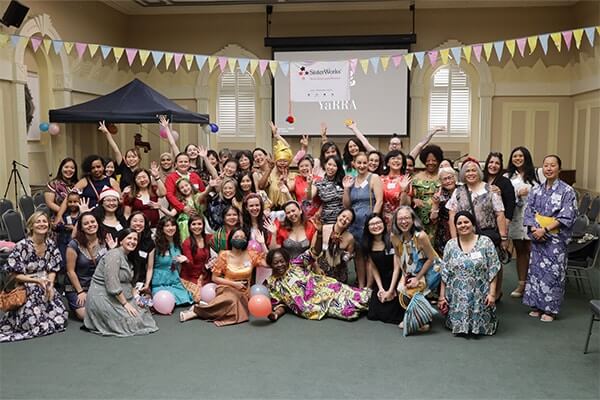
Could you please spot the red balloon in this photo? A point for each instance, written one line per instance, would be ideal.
(260, 306)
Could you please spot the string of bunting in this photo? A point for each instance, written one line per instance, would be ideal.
(477, 51)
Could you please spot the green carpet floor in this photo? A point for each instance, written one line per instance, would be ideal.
(300, 359)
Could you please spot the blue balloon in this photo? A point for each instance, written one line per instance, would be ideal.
(214, 128)
(259, 289)
(44, 126)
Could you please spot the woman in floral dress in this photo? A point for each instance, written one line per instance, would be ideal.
(34, 262)
(293, 286)
(425, 184)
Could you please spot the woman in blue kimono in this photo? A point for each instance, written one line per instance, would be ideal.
(549, 218)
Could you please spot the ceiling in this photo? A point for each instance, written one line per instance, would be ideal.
(160, 7)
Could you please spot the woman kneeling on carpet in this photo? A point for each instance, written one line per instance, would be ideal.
(293, 286)
(232, 272)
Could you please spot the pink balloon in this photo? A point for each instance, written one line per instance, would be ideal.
(163, 133)
(175, 135)
(254, 245)
(164, 302)
(208, 292)
(54, 129)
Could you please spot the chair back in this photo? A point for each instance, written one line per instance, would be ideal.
(5, 205)
(594, 209)
(26, 206)
(15, 227)
(596, 260)
(580, 227)
(584, 203)
(44, 208)
(38, 199)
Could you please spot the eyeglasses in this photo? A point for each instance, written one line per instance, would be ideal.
(404, 218)
(376, 223)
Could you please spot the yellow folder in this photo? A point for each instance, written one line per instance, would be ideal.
(546, 221)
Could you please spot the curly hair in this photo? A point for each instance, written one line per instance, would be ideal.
(436, 150)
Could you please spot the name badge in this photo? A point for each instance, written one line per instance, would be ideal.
(119, 227)
(391, 185)
(196, 186)
(391, 252)
(476, 255)
(69, 220)
(143, 254)
(102, 251)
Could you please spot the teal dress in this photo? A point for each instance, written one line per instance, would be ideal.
(166, 278)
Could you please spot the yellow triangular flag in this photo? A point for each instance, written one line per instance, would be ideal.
(231, 62)
(168, 58)
(487, 48)
(93, 48)
(3, 39)
(47, 45)
(532, 41)
(364, 63)
(598, 30)
(467, 51)
(510, 45)
(273, 66)
(557, 39)
(212, 61)
(578, 34)
(144, 54)
(408, 59)
(444, 55)
(189, 60)
(68, 47)
(385, 61)
(253, 66)
(118, 52)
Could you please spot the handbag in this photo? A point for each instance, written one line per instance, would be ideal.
(406, 294)
(492, 233)
(13, 299)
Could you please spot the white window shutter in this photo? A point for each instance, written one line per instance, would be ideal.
(450, 101)
(236, 106)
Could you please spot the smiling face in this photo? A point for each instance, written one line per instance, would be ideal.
(214, 161)
(395, 163)
(305, 168)
(73, 202)
(448, 181)
(518, 159)
(137, 223)
(376, 226)
(331, 168)
(182, 164)
(404, 220)
(89, 225)
(464, 226)
(97, 170)
(185, 188)
(166, 162)
(231, 218)
(142, 180)
(197, 227)
(253, 207)
(132, 159)
(259, 158)
(293, 213)
(472, 174)
(230, 169)
(278, 264)
(244, 162)
(192, 151)
(228, 190)
(110, 204)
(169, 230)
(246, 184)
(431, 163)
(129, 242)
(493, 166)
(374, 161)
(361, 163)
(410, 166)
(395, 144)
(353, 148)
(68, 170)
(331, 151)
(282, 164)
(344, 219)
(551, 168)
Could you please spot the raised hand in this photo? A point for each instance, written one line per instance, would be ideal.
(163, 121)
(269, 225)
(437, 129)
(273, 128)
(110, 241)
(351, 125)
(435, 199)
(102, 127)
(348, 181)
(304, 141)
(155, 169)
(84, 204)
(202, 152)
(405, 183)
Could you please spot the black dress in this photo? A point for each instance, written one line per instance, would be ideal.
(390, 312)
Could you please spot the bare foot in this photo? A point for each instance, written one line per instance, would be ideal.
(186, 315)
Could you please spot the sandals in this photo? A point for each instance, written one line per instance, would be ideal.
(518, 292)
(535, 314)
(546, 318)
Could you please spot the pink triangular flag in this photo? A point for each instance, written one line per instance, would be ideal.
(521, 45)
(130, 53)
(397, 60)
(477, 50)
(223, 63)
(568, 35)
(433, 55)
(262, 65)
(353, 64)
(177, 57)
(35, 43)
(80, 47)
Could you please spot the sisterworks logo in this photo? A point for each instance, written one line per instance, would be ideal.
(321, 72)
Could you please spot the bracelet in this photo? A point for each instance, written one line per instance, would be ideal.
(546, 229)
(81, 291)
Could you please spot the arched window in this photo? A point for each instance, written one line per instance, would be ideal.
(450, 101)
(236, 105)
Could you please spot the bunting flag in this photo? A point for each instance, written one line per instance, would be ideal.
(157, 57)
(93, 48)
(544, 42)
(57, 45)
(589, 32)
(69, 47)
(243, 63)
(444, 53)
(385, 61)
(456, 54)
(521, 45)
(578, 35)
(262, 66)
(189, 61)
(477, 50)
(284, 66)
(408, 60)
(568, 36)
(14, 40)
(253, 66)
(144, 54)
(118, 53)
(231, 63)
(222, 62)
(273, 66)
(556, 38)
(353, 64)
(200, 60)
(47, 45)
(212, 61)
(397, 60)
(168, 58)
(177, 57)
(130, 53)
(510, 46)
(487, 48)
(467, 50)
(432, 55)
(3, 39)
(35, 43)
(420, 56)
(81, 48)
(105, 50)
(532, 42)
(364, 63)
(499, 47)
(375, 63)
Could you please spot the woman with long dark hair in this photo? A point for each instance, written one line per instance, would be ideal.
(295, 233)
(330, 189)
(62, 184)
(142, 258)
(196, 248)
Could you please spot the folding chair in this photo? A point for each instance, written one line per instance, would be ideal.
(584, 204)
(594, 209)
(38, 199)
(5, 205)
(26, 206)
(581, 269)
(14, 225)
(595, 308)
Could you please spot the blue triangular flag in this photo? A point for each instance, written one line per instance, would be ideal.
(57, 45)
(157, 56)
(456, 54)
(243, 62)
(105, 51)
(200, 60)
(285, 67)
(499, 46)
(14, 40)
(375, 63)
(544, 42)
(589, 32)
(420, 58)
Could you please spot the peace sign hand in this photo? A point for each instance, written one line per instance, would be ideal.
(102, 127)
(304, 141)
(163, 121)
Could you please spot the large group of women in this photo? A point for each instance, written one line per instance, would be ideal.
(348, 232)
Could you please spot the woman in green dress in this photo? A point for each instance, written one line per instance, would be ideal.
(425, 184)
